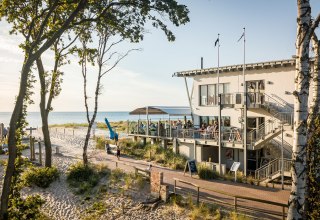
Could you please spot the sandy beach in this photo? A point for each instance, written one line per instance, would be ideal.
(63, 204)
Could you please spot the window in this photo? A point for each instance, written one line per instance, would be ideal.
(212, 99)
(203, 95)
(208, 93)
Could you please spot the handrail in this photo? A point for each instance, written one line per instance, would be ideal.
(274, 100)
(272, 168)
(282, 100)
(266, 165)
(285, 144)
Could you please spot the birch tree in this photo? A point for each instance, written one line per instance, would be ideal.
(305, 29)
(106, 58)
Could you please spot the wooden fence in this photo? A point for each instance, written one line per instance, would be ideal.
(235, 199)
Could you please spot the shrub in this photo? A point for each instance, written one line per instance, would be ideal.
(84, 178)
(25, 209)
(250, 180)
(100, 142)
(206, 173)
(40, 176)
(3, 162)
(177, 200)
(117, 175)
(201, 212)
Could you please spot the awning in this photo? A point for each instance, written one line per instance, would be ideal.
(163, 110)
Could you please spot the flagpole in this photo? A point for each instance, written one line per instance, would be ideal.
(219, 106)
(245, 103)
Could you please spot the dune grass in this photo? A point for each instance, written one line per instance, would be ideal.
(119, 126)
(165, 157)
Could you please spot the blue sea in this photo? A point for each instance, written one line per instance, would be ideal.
(34, 118)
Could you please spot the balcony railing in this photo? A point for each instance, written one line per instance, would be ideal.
(233, 135)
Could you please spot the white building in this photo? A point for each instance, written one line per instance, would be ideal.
(269, 107)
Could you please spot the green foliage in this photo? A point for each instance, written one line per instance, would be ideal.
(100, 142)
(176, 200)
(200, 212)
(117, 175)
(165, 157)
(85, 178)
(134, 181)
(313, 172)
(25, 209)
(40, 176)
(3, 162)
(236, 216)
(206, 173)
(250, 180)
(96, 210)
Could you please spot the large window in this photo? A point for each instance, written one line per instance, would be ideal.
(208, 93)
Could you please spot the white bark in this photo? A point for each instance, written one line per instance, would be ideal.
(301, 93)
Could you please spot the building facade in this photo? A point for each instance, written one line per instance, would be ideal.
(255, 127)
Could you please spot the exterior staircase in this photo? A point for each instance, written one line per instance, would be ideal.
(282, 116)
(272, 170)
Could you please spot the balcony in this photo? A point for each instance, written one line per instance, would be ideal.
(229, 138)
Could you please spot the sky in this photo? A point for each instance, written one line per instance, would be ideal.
(144, 78)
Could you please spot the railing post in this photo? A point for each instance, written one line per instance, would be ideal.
(198, 195)
(283, 213)
(235, 204)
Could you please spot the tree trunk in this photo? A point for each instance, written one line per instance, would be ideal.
(297, 196)
(44, 114)
(12, 139)
(85, 147)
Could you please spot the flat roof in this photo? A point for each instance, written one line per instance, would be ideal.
(162, 110)
(234, 68)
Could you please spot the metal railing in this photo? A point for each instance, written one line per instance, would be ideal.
(286, 146)
(270, 126)
(272, 168)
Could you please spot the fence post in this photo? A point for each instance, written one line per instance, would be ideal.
(174, 187)
(283, 213)
(235, 204)
(30, 143)
(40, 152)
(198, 194)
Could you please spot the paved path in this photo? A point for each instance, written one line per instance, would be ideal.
(240, 189)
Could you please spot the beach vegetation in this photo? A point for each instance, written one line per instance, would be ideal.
(204, 172)
(156, 153)
(40, 176)
(95, 210)
(100, 142)
(25, 209)
(83, 178)
(203, 211)
(3, 162)
(250, 180)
